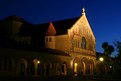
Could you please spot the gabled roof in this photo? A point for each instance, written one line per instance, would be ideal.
(61, 26)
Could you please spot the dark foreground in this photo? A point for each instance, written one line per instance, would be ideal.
(62, 78)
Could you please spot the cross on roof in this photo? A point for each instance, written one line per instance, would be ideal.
(83, 10)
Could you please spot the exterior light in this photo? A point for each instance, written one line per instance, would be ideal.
(75, 64)
(101, 59)
(110, 66)
(38, 62)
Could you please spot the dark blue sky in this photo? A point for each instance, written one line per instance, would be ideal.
(104, 16)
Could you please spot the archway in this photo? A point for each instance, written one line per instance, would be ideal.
(22, 66)
(58, 69)
(91, 67)
(47, 69)
(83, 69)
(22, 69)
(32, 70)
(36, 67)
(76, 64)
(84, 65)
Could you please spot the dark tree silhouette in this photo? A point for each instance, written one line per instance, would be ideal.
(118, 58)
(108, 49)
(118, 48)
(105, 46)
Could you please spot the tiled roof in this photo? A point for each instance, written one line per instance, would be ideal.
(61, 26)
(38, 32)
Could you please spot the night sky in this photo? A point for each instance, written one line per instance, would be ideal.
(104, 16)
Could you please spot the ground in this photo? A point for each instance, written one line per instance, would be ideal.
(63, 78)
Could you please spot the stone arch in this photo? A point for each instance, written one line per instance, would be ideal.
(84, 65)
(91, 67)
(58, 69)
(76, 65)
(47, 66)
(35, 67)
(22, 66)
(76, 59)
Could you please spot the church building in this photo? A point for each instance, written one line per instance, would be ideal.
(58, 48)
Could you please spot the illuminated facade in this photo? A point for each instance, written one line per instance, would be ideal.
(65, 47)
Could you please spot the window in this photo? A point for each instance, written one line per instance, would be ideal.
(83, 43)
(46, 39)
(50, 39)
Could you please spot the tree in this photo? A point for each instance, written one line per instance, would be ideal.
(118, 58)
(105, 46)
(118, 48)
(108, 49)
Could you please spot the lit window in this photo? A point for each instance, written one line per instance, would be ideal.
(83, 43)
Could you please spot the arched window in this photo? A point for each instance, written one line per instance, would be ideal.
(83, 43)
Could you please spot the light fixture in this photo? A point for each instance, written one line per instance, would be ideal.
(38, 61)
(101, 59)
